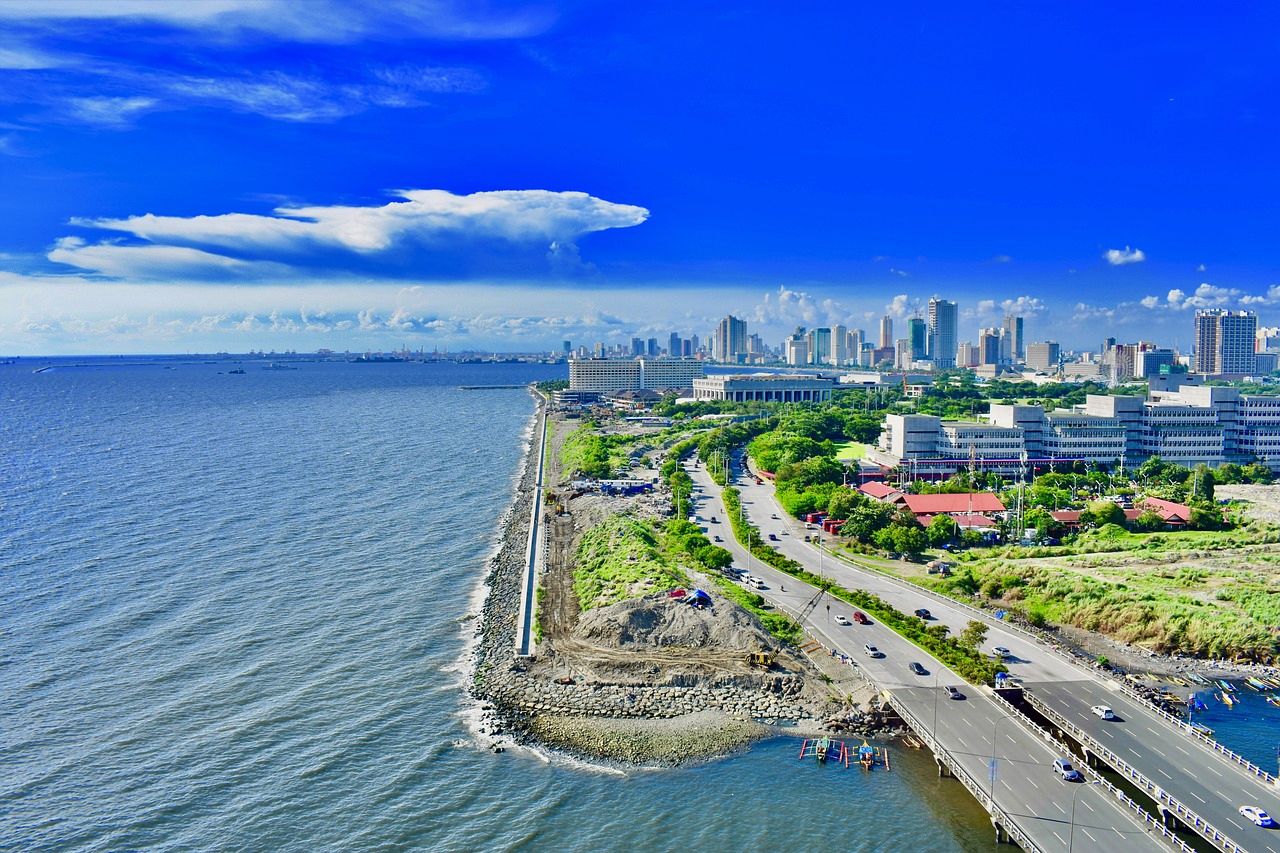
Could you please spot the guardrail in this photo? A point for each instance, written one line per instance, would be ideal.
(1190, 818)
(975, 787)
(1150, 823)
(528, 598)
(1185, 727)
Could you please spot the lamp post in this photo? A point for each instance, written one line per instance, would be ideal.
(991, 768)
(1071, 834)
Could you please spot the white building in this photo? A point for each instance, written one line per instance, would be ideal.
(617, 374)
(764, 388)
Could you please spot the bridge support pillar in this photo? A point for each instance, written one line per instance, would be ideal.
(1002, 837)
(944, 772)
(1167, 818)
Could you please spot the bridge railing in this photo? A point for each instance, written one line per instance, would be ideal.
(975, 787)
(1188, 817)
(1151, 824)
(1251, 768)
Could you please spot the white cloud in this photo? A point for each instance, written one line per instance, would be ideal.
(315, 20)
(510, 215)
(898, 272)
(899, 306)
(16, 56)
(1120, 257)
(1271, 297)
(156, 262)
(787, 307)
(117, 113)
(1024, 306)
(1200, 268)
(1002, 259)
(1150, 301)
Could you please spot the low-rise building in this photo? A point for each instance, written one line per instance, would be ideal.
(633, 374)
(764, 388)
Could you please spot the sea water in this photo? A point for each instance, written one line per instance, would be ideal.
(233, 616)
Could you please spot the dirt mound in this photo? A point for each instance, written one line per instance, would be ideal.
(657, 621)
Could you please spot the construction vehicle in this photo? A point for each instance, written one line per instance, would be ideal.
(764, 659)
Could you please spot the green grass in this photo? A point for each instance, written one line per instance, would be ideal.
(620, 558)
(851, 450)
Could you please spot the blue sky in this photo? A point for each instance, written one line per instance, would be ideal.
(234, 174)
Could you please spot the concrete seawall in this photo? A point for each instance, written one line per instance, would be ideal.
(533, 551)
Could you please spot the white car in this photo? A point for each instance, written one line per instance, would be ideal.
(872, 651)
(842, 619)
(1257, 816)
(1000, 652)
(1103, 711)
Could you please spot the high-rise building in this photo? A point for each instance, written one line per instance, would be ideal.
(853, 346)
(1225, 341)
(637, 346)
(755, 346)
(838, 342)
(567, 348)
(1017, 346)
(966, 355)
(819, 346)
(674, 345)
(988, 347)
(902, 354)
(1148, 363)
(943, 322)
(918, 336)
(651, 348)
(1043, 356)
(730, 342)
(796, 350)
(886, 332)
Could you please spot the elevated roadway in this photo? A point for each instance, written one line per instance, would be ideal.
(1200, 783)
(1028, 803)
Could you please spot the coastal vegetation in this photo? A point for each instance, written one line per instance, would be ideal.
(621, 558)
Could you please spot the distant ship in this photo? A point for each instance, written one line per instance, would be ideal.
(239, 370)
(275, 365)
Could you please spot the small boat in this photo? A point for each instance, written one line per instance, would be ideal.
(1226, 699)
(1256, 684)
(1274, 700)
(239, 371)
(1202, 729)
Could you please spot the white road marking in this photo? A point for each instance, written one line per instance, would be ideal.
(1033, 784)
(1059, 837)
(1166, 775)
(1134, 751)
(1085, 803)
(1107, 733)
(1158, 752)
(1198, 797)
(1086, 832)
(1058, 807)
(1213, 770)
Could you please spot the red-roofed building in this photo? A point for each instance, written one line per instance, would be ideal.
(1174, 514)
(973, 503)
(881, 492)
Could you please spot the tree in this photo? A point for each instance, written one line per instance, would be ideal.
(1256, 472)
(1201, 483)
(909, 540)
(973, 634)
(1147, 522)
(864, 521)
(1105, 512)
(843, 502)
(941, 530)
(1205, 518)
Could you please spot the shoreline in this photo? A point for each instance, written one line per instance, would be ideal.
(605, 726)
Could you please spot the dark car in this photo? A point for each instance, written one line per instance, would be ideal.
(923, 614)
(918, 669)
(953, 693)
(773, 536)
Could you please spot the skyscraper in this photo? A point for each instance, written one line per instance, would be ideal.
(988, 347)
(1043, 356)
(674, 346)
(886, 331)
(637, 346)
(839, 338)
(1225, 340)
(942, 333)
(730, 342)
(652, 347)
(820, 346)
(853, 346)
(1017, 346)
(918, 335)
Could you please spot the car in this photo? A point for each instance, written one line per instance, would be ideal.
(922, 613)
(1257, 816)
(1063, 768)
(773, 537)
(841, 619)
(917, 668)
(872, 651)
(717, 538)
(1000, 652)
(861, 618)
(810, 526)
(715, 520)
(774, 516)
(757, 583)
(1103, 712)
(953, 693)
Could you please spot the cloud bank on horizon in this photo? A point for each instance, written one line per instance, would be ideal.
(191, 175)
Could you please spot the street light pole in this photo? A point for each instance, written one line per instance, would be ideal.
(1071, 834)
(991, 768)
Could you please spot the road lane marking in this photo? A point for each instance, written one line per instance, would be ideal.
(1167, 776)
(1134, 751)
(1158, 752)
(1198, 797)
(1085, 803)
(1213, 771)
(1086, 832)
(1033, 784)
(1058, 807)
(1059, 837)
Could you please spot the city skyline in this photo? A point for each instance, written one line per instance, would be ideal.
(502, 177)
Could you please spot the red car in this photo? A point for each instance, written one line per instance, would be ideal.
(861, 618)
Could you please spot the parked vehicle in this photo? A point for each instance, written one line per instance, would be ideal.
(1063, 768)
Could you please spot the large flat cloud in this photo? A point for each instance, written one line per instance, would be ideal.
(512, 215)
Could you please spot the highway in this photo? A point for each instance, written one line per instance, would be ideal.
(1193, 774)
(973, 730)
